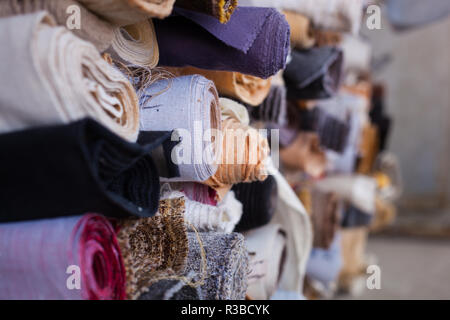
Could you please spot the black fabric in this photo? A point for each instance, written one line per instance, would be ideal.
(170, 290)
(353, 217)
(379, 118)
(72, 169)
(259, 202)
(273, 108)
(314, 73)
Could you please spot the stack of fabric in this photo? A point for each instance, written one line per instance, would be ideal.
(180, 149)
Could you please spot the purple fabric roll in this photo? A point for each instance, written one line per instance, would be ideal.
(255, 41)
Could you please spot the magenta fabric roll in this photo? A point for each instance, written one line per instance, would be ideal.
(199, 193)
(35, 257)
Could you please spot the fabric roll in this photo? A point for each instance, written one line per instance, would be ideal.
(267, 252)
(314, 73)
(79, 167)
(197, 192)
(353, 217)
(40, 258)
(324, 38)
(171, 290)
(125, 12)
(357, 55)
(259, 203)
(220, 9)
(325, 218)
(95, 30)
(65, 81)
(188, 104)
(136, 44)
(302, 35)
(273, 109)
(243, 87)
(153, 246)
(226, 273)
(191, 39)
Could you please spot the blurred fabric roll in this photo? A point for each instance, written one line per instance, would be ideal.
(190, 105)
(168, 289)
(197, 192)
(302, 32)
(154, 246)
(259, 203)
(66, 79)
(194, 39)
(40, 260)
(243, 87)
(220, 9)
(325, 218)
(136, 44)
(63, 170)
(273, 109)
(125, 12)
(92, 28)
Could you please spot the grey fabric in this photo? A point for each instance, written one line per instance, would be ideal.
(171, 290)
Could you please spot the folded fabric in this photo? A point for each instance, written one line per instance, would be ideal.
(267, 252)
(314, 73)
(79, 167)
(325, 218)
(220, 9)
(65, 81)
(243, 87)
(273, 109)
(340, 15)
(408, 14)
(125, 12)
(153, 246)
(190, 105)
(95, 30)
(136, 44)
(226, 271)
(197, 192)
(171, 290)
(259, 202)
(192, 39)
(302, 35)
(42, 260)
(353, 217)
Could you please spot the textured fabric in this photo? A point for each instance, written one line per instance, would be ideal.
(197, 192)
(220, 9)
(243, 87)
(188, 104)
(95, 30)
(65, 81)
(259, 202)
(125, 12)
(152, 246)
(302, 35)
(80, 167)
(273, 109)
(225, 276)
(353, 218)
(193, 39)
(234, 110)
(171, 290)
(408, 14)
(340, 15)
(324, 218)
(314, 73)
(136, 44)
(36, 255)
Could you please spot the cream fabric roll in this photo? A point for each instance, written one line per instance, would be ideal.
(124, 12)
(48, 76)
(232, 109)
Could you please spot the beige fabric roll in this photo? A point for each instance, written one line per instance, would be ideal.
(124, 12)
(136, 44)
(246, 88)
(302, 33)
(50, 76)
(92, 28)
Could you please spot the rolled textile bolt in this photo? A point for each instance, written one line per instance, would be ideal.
(325, 218)
(220, 9)
(302, 32)
(273, 109)
(64, 82)
(68, 258)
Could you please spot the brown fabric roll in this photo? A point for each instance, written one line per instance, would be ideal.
(327, 38)
(125, 12)
(325, 218)
(246, 88)
(93, 29)
(368, 149)
(153, 246)
(302, 33)
(221, 9)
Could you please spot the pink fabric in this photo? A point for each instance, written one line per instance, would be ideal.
(34, 257)
(199, 192)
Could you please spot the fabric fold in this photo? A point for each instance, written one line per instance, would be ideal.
(220, 9)
(274, 107)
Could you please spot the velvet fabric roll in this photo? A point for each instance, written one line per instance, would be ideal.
(273, 109)
(153, 246)
(226, 273)
(259, 202)
(64, 77)
(191, 39)
(302, 36)
(314, 73)
(95, 30)
(325, 218)
(39, 259)
(79, 167)
(220, 9)
(125, 12)
(243, 87)
(188, 104)
(171, 290)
